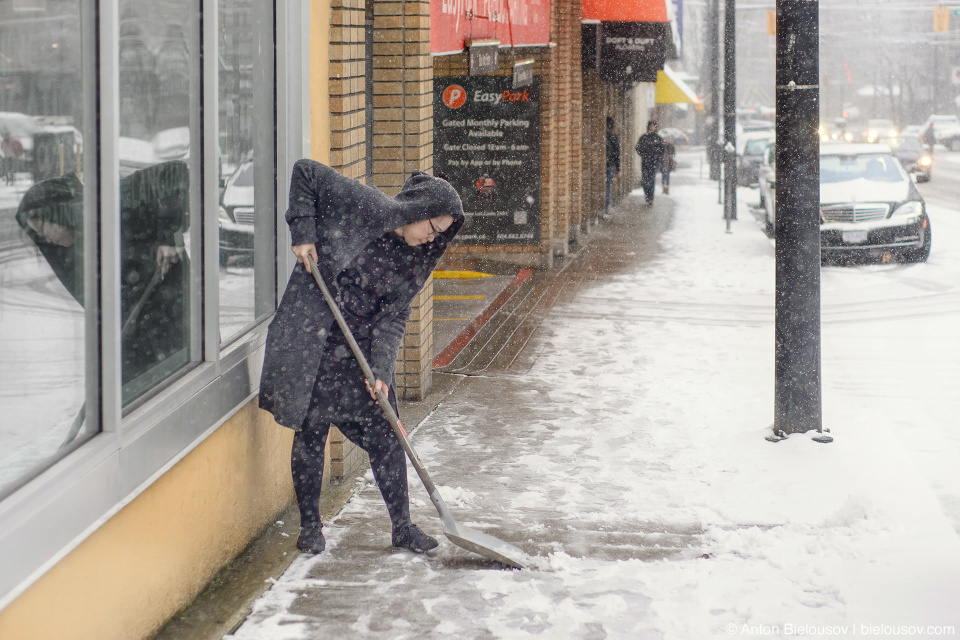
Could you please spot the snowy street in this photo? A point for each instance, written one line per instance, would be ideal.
(624, 452)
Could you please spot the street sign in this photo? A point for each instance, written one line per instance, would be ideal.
(487, 145)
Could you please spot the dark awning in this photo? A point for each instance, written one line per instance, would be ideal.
(632, 52)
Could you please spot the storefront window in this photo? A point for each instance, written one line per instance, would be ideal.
(246, 159)
(45, 337)
(159, 67)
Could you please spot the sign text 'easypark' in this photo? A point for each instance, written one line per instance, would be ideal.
(506, 96)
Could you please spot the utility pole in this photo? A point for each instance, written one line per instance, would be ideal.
(730, 112)
(798, 401)
(714, 154)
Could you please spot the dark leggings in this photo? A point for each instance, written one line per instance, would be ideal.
(386, 459)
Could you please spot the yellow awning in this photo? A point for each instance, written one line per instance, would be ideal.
(671, 89)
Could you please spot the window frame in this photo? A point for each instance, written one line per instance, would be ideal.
(74, 496)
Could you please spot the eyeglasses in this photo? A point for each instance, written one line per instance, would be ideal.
(434, 232)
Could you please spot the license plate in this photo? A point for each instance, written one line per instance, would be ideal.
(854, 237)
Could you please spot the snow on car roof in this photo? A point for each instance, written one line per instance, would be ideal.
(845, 149)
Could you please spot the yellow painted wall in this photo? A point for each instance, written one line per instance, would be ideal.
(320, 80)
(158, 552)
(149, 560)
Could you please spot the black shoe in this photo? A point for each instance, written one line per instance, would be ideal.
(410, 537)
(311, 540)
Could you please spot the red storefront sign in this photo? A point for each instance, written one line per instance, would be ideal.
(454, 23)
(625, 10)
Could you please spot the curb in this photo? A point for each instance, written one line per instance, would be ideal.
(450, 353)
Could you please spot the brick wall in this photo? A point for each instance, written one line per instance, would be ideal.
(346, 82)
(566, 113)
(593, 144)
(403, 92)
(403, 142)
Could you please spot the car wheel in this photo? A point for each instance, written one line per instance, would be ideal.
(953, 144)
(921, 253)
(224, 257)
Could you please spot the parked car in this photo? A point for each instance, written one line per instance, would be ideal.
(870, 205)
(236, 217)
(674, 135)
(914, 157)
(767, 179)
(946, 130)
(877, 129)
(749, 161)
(913, 130)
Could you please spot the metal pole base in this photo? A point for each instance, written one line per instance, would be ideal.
(822, 437)
(775, 436)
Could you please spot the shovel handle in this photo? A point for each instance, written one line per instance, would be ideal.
(388, 411)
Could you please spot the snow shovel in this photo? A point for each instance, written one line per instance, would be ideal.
(465, 537)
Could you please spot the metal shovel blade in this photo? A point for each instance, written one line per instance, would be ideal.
(485, 545)
(472, 540)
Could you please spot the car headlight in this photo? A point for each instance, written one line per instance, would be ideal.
(848, 136)
(925, 161)
(912, 209)
(223, 215)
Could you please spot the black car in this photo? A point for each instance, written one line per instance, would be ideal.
(237, 214)
(750, 160)
(869, 205)
(914, 157)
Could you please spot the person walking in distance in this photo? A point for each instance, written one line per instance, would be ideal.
(650, 148)
(12, 149)
(375, 252)
(667, 165)
(613, 160)
(929, 138)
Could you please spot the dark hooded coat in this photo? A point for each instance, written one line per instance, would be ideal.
(154, 211)
(343, 218)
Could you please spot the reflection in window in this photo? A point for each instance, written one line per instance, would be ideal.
(159, 136)
(246, 167)
(43, 351)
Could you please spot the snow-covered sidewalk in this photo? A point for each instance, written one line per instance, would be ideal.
(629, 461)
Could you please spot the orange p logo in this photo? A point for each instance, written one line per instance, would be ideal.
(454, 96)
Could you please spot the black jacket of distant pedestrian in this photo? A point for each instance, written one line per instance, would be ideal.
(613, 150)
(650, 147)
(350, 223)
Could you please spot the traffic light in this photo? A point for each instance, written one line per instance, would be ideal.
(771, 22)
(941, 18)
